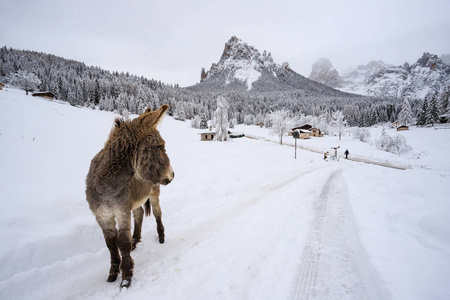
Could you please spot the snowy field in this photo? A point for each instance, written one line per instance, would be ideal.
(243, 219)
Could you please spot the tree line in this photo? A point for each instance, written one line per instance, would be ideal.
(82, 85)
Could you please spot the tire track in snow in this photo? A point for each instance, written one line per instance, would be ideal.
(308, 270)
(333, 263)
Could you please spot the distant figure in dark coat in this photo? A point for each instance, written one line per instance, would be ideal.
(346, 153)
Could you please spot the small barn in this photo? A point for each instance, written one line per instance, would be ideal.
(207, 136)
(316, 132)
(403, 127)
(47, 95)
(1, 86)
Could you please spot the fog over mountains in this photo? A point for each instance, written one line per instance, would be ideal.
(429, 75)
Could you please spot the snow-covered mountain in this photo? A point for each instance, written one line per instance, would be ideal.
(243, 68)
(430, 74)
(324, 72)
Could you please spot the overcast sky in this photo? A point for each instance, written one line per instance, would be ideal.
(172, 40)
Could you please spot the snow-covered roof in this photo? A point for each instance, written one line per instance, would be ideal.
(303, 130)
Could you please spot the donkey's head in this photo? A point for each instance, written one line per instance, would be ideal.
(151, 162)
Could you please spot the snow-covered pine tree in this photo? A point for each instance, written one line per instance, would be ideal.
(280, 123)
(433, 112)
(203, 122)
(221, 119)
(422, 113)
(405, 115)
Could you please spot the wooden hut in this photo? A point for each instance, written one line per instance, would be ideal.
(207, 136)
(403, 127)
(47, 95)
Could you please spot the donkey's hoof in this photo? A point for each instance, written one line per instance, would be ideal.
(112, 278)
(134, 244)
(161, 239)
(125, 283)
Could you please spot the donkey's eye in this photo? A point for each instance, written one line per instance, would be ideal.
(159, 147)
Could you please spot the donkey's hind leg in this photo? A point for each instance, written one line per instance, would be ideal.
(138, 215)
(108, 225)
(154, 201)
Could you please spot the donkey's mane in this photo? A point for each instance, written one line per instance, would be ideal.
(118, 122)
(118, 149)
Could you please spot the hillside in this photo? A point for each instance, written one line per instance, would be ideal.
(243, 219)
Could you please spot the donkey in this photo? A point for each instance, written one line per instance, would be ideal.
(123, 176)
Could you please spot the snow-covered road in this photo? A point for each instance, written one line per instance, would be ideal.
(243, 219)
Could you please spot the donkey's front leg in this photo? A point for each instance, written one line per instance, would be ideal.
(124, 243)
(154, 200)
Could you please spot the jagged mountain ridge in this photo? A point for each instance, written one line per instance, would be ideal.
(429, 75)
(243, 68)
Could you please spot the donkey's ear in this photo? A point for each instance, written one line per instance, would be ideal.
(147, 110)
(153, 117)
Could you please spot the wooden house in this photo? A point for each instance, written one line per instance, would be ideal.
(47, 95)
(207, 136)
(302, 134)
(316, 132)
(1, 86)
(306, 127)
(403, 127)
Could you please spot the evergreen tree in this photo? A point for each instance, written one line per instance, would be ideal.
(405, 115)
(433, 112)
(203, 122)
(422, 115)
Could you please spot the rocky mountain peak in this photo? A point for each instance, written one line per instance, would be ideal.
(323, 72)
(240, 61)
(430, 61)
(242, 67)
(236, 49)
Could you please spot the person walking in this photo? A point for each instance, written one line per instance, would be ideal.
(346, 153)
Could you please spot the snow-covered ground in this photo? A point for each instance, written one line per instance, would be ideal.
(243, 219)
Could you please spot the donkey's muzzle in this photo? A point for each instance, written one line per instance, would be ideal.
(168, 179)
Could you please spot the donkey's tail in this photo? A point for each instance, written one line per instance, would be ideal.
(147, 208)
